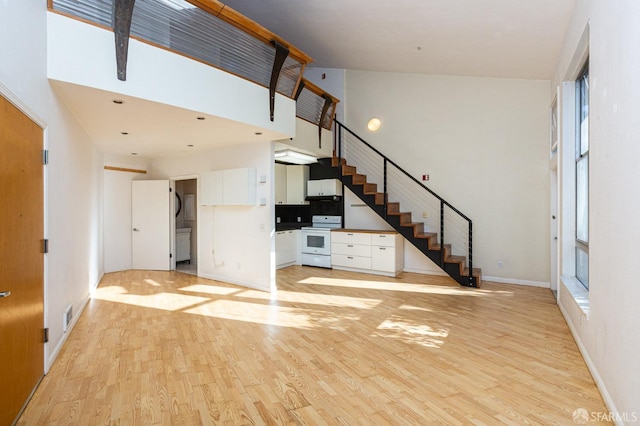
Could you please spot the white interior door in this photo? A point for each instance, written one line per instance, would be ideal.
(150, 222)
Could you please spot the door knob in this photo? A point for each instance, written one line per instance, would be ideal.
(136, 229)
(4, 294)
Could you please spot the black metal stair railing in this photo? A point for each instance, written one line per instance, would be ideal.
(452, 229)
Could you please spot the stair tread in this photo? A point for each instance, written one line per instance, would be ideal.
(426, 235)
(456, 259)
(477, 272)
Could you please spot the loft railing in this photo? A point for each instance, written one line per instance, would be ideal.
(452, 226)
(315, 105)
(203, 30)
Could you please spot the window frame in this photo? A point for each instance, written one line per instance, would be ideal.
(582, 147)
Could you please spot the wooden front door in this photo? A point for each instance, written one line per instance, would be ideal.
(21, 260)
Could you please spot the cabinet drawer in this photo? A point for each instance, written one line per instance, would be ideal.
(351, 249)
(351, 238)
(385, 240)
(351, 261)
(383, 259)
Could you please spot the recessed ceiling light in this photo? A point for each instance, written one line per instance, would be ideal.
(118, 101)
(200, 118)
(124, 133)
(258, 133)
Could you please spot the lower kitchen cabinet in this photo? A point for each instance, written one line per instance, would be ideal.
(287, 248)
(373, 252)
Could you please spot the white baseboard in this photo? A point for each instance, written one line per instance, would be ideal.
(516, 281)
(56, 351)
(608, 401)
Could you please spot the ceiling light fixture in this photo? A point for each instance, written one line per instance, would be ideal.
(374, 124)
(294, 157)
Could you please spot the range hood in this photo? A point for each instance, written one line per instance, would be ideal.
(294, 157)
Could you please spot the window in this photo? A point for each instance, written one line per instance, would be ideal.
(582, 177)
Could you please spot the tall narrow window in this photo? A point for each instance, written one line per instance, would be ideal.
(582, 177)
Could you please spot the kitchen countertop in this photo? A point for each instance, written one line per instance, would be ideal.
(366, 231)
(288, 226)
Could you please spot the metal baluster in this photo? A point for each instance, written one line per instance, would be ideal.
(471, 279)
(385, 188)
(441, 233)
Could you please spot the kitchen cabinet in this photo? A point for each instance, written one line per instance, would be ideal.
(324, 187)
(232, 187)
(280, 183)
(297, 177)
(287, 248)
(373, 252)
(291, 184)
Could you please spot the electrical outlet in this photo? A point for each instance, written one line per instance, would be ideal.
(425, 214)
(500, 264)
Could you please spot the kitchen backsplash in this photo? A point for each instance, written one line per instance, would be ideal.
(293, 213)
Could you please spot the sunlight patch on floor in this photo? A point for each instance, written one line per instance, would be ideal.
(314, 299)
(395, 286)
(270, 314)
(210, 289)
(165, 301)
(412, 332)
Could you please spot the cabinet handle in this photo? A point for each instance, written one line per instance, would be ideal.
(382, 236)
(5, 294)
(351, 235)
(381, 248)
(349, 245)
(349, 257)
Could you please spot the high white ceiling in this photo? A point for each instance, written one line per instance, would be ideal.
(486, 38)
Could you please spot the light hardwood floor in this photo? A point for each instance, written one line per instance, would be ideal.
(331, 348)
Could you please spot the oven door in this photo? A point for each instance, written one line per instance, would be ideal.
(316, 242)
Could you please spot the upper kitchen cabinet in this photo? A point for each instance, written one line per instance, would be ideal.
(291, 184)
(233, 187)
(280, 183)
(324, 187)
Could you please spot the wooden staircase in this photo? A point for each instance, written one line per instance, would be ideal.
(426, 242)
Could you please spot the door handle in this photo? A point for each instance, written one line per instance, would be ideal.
(4, 294)
(136, 229)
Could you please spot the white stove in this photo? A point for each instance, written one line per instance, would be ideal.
(316, 240)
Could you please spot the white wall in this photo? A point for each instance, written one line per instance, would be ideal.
(117, 210)
(74, 176)
(306, 139)
(331, 80)
(235, 243)
(608, 334)
(484, 143)
(160, 76)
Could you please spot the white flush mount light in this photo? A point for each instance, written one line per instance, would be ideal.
(294, 157)
(374, 124)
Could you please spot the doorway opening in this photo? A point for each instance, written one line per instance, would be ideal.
(186, 226)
